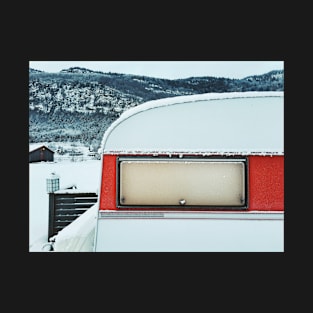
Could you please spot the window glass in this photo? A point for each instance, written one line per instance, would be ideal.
(182, 183)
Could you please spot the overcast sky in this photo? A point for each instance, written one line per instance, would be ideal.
(167, 69)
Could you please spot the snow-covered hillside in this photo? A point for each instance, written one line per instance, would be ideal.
(79, 104)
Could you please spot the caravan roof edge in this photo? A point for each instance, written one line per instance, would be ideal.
(187, 99)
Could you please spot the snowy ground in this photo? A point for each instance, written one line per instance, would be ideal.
(84, 174)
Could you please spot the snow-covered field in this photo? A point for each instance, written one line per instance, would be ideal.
(84, 174)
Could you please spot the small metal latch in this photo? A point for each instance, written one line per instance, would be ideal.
(182, 202)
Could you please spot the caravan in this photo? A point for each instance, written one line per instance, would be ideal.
(198, 173)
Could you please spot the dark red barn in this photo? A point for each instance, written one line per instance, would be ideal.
(40, 153)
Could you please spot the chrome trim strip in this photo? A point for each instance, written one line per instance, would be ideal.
(252, 215)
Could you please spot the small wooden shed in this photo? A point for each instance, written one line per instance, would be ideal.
(40, 153)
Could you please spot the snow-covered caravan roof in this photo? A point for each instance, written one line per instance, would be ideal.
(212, 123)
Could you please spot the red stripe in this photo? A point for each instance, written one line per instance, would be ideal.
(266, 183)
(108, 183)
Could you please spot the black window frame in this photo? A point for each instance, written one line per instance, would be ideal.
(238, 158)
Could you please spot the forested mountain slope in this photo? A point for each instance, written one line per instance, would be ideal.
(78, 104)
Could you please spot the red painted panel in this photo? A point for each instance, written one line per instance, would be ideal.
(108, 183)
(266, 183)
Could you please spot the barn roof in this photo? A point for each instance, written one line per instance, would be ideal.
(36, 146)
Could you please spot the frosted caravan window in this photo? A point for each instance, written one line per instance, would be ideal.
(220, 183)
